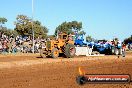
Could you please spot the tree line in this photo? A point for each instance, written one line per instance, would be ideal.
(23, 26)
(128, 40)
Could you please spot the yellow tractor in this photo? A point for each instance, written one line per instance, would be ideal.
(63, 44)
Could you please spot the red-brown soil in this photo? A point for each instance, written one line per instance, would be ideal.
(30, 71)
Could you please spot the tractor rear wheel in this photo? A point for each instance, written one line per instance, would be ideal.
(55, 53)
(69, 50)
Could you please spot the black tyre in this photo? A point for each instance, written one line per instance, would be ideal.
(69, 50)
(54, 53)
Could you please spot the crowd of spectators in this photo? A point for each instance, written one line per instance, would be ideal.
(18, 44)
(24, 44)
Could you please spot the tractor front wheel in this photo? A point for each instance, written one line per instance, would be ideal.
(55, 53)
(42, 53)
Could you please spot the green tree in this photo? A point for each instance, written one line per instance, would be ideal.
(69, 27)
(24, 27)
(64, 27)
(76, 26)
(2, 27)
(128, 40)
(3, 20)
(82, 33)
(11, 32)
(15, 33)
(89, 38)
(40, 31)
(7, 32)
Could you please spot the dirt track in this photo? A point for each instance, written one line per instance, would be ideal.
(33, 72)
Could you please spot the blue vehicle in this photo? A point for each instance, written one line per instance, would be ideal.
(107, 48)
(103, 48)
(79, 40)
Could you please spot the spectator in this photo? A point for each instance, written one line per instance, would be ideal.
(1, 48)
(123, 50)
(5, 47)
